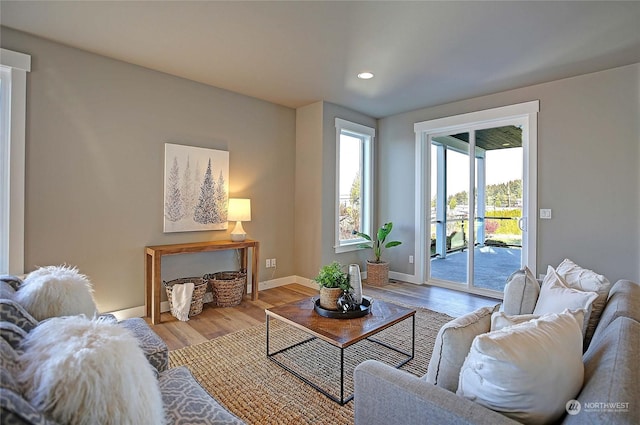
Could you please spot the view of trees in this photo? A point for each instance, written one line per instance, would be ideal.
(503, 202)
(502, 195)
(350, 211)
(505, 195)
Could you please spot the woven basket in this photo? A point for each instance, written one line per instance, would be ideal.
(329, 298)
(377, 273)
(199, 289)
(227, 287)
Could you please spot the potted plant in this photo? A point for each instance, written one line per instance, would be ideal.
(378, 270)
(332, 280)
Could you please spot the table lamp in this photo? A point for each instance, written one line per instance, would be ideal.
(239, 211)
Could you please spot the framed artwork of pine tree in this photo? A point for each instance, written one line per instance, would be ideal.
(196, 188)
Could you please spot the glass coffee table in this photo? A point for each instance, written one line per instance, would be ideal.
(340, 333)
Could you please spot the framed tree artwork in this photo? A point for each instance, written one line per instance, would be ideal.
(196, 188)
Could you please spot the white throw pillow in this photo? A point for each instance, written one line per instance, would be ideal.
(586, 280)
(520, 293)
(527, 372)
(452, 345)
(55, 291)
(500, 320)
(81, 371)
(556, 296)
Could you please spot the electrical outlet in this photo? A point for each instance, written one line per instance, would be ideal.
(273, 262)
(268, 263)
(411, 259)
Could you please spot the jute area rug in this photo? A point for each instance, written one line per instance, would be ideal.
(235, 370)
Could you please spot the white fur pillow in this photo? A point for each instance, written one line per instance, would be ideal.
(81, 371)
(55, 291)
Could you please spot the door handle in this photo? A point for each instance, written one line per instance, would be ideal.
(522, 224)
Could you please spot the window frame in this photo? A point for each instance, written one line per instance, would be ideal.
(12, 195)
(367, 136)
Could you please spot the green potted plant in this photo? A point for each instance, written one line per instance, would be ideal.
(378, 270)
(332, 280)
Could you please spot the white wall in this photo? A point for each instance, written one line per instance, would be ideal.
(588, 169)
(96, 130)
(308, 190)
(315, 187)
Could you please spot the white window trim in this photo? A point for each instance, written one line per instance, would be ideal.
(19, 64)
(424, 131)
(367, 186)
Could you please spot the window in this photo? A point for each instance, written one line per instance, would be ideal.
(13, 92)
(354, 183)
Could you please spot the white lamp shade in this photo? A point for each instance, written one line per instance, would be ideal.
(239, 209)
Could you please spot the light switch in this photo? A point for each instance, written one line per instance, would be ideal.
(545, 213)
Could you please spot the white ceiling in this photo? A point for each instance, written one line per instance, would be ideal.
(295, 53)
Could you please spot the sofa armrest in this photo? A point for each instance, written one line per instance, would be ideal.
(154, 348)
(12, 312)
(186, 402)
(623, 301)
(13, 281)
(385, 395)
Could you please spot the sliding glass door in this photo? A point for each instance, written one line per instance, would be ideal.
(476, 193)
(450, 171)
(499, 206)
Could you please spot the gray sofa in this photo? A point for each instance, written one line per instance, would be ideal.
(610, 393)
(185, 401)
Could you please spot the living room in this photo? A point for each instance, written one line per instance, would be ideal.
(96, 129)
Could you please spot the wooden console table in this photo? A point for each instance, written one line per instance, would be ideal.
(152, 268)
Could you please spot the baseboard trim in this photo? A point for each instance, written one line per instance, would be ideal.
(404, 277)
(139, 311)
(309, 283)
(129, 313)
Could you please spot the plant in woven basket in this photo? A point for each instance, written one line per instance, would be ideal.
(379, 243)
(333, 276)
(333, 281)
(378, 270)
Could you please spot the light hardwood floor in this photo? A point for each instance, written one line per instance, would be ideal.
(215, 321)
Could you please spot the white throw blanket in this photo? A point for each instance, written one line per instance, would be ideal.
(181, 300)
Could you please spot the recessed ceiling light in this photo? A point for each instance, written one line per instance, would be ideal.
(365, 75)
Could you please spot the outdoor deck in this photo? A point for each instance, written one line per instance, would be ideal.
(493, 265)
